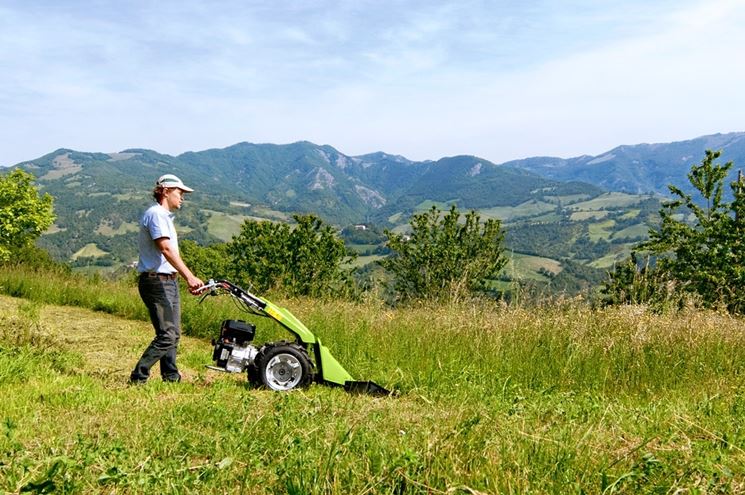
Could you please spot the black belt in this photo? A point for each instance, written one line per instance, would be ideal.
(162, 276)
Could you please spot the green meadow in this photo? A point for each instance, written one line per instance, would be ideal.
(490, 398)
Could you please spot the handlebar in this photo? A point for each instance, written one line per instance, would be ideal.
(252, 303)
(210, 286)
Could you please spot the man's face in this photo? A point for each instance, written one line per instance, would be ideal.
(174, 198)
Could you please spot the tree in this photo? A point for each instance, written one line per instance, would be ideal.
(699, 244)
(206, 261)
(24, 214)
(304, 260)
(637, 281)
(444, 259)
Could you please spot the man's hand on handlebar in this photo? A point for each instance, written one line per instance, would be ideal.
(211, 285)
(194, 284)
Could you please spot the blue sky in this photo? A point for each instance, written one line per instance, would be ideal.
(424, 79)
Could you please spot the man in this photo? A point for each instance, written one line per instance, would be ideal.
(158, 267)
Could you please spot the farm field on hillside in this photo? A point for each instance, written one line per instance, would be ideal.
(523, 266)
(608, 200)
(508, 213)
(90, 250)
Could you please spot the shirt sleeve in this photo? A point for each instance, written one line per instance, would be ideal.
(157, 224)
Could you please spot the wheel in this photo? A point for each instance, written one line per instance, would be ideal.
(283, 367)
(252, 373)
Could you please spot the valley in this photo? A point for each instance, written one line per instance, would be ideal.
(551, 209)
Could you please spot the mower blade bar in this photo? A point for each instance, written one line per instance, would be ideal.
(370, 388)
(215, 368)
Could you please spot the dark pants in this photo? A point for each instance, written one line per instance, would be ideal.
(162, 300)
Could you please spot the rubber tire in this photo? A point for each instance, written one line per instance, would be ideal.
(274, 360)
(252, 373)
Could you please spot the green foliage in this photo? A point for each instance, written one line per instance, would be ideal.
(553, 240)
(304, 260)
(363, 234)
(699, 245)
(206, 261)
(576, 278)
(705, 257)
(35, 258)
(635, 281)
(24, 214)
(259, 254)
(443, 259)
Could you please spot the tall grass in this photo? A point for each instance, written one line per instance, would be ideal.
(116, 297)
(59, 287)
(475, 349)
(492, 399)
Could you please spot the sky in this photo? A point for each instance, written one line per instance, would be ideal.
(499, 79)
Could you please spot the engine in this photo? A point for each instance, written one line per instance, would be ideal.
(233, 351)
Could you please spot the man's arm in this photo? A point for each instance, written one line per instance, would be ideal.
(172, 256)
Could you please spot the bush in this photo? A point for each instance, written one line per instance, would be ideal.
(443, 259)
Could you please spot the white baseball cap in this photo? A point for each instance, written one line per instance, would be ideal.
(170, 180)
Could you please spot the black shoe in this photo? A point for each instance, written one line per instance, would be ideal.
(136, 379)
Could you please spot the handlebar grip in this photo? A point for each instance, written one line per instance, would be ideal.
(210, 285)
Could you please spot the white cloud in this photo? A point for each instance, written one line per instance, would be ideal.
(498, 79)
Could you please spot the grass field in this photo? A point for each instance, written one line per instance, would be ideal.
(361, 261)
(510, 213)
(491, 399)
(608, 200)
(601, 230)
(224, 226)
(618, 255)
(427, 205)
(579, 216)
(524, 266)
(567, 199)
(268, 213)
(632, 232)
(632, 213)
(106, 229)
(89, 251)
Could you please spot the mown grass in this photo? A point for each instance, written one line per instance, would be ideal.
(492, 399)
(118, 298)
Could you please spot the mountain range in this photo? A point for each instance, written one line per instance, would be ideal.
(99, 196)
(642, 168)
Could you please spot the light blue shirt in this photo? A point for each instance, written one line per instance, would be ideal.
(157, 222)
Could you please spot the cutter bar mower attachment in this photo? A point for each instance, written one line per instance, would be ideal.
(369, 388)
(333, 373)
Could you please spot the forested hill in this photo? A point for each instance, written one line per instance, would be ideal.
(558, 213)
(641, 168)
(98, 196)
(298, 177)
